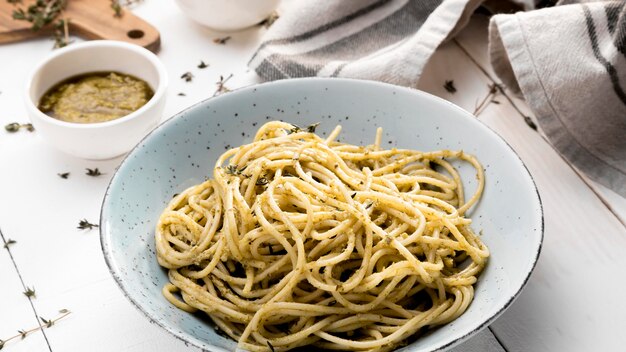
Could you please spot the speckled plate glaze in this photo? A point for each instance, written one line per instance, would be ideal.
(182, 151)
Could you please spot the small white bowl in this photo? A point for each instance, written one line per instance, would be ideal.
(228, 15)
(102, 140)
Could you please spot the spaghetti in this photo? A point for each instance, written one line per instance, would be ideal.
(299, 240)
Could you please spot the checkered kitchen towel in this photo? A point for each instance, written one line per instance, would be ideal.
(568, 61)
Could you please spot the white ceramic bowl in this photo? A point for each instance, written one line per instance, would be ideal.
(101, 140)
(182, 152)
(228, 15)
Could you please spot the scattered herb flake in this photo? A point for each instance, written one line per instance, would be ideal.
(22, 333)
(202, 65)
(93, 172)
(30, 292)
(64, 175)
(181, 94)
(294, 129)
(449, 86)
(63, 311)
(311, 128)
(48, 323)
(187, 76)
(9, 242)
(117, 8)
(12, 127)
(222, 40)
(530, 122)
(233, 170)
(85, 225)
(269, 21)
(262, 181)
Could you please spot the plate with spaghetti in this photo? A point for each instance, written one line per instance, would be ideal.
(322, 214)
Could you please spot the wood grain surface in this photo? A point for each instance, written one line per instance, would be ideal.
(88, 19)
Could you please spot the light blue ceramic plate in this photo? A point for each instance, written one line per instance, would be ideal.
(182, 151)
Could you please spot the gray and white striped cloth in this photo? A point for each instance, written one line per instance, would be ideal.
(568, 61)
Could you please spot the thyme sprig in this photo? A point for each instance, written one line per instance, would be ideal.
(15, 126)
(494, 88)
(86, 225)
(43, 13)
(23, 333)
(221, 85)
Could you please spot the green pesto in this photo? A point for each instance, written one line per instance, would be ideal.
(95, 97)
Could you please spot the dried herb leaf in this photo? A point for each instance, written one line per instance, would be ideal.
(85, 225)
(48, 323)
(12, 127)
(233, 170)
(63, 311)
(311, 128)
(64, 175)
(262, 181)
(221, 40)
(202, 65)
(269, 21)
(117, 8)
(22, 333)
(30, 292)
(449, 86)
(181, 94)
(9, 242)
(530, 122)
(93, 172)
(187, 76)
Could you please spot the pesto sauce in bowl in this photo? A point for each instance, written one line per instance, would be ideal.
(95, 97)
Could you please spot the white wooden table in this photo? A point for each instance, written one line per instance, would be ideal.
(574, 301)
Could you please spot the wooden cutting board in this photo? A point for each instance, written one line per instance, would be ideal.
(89, 19)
